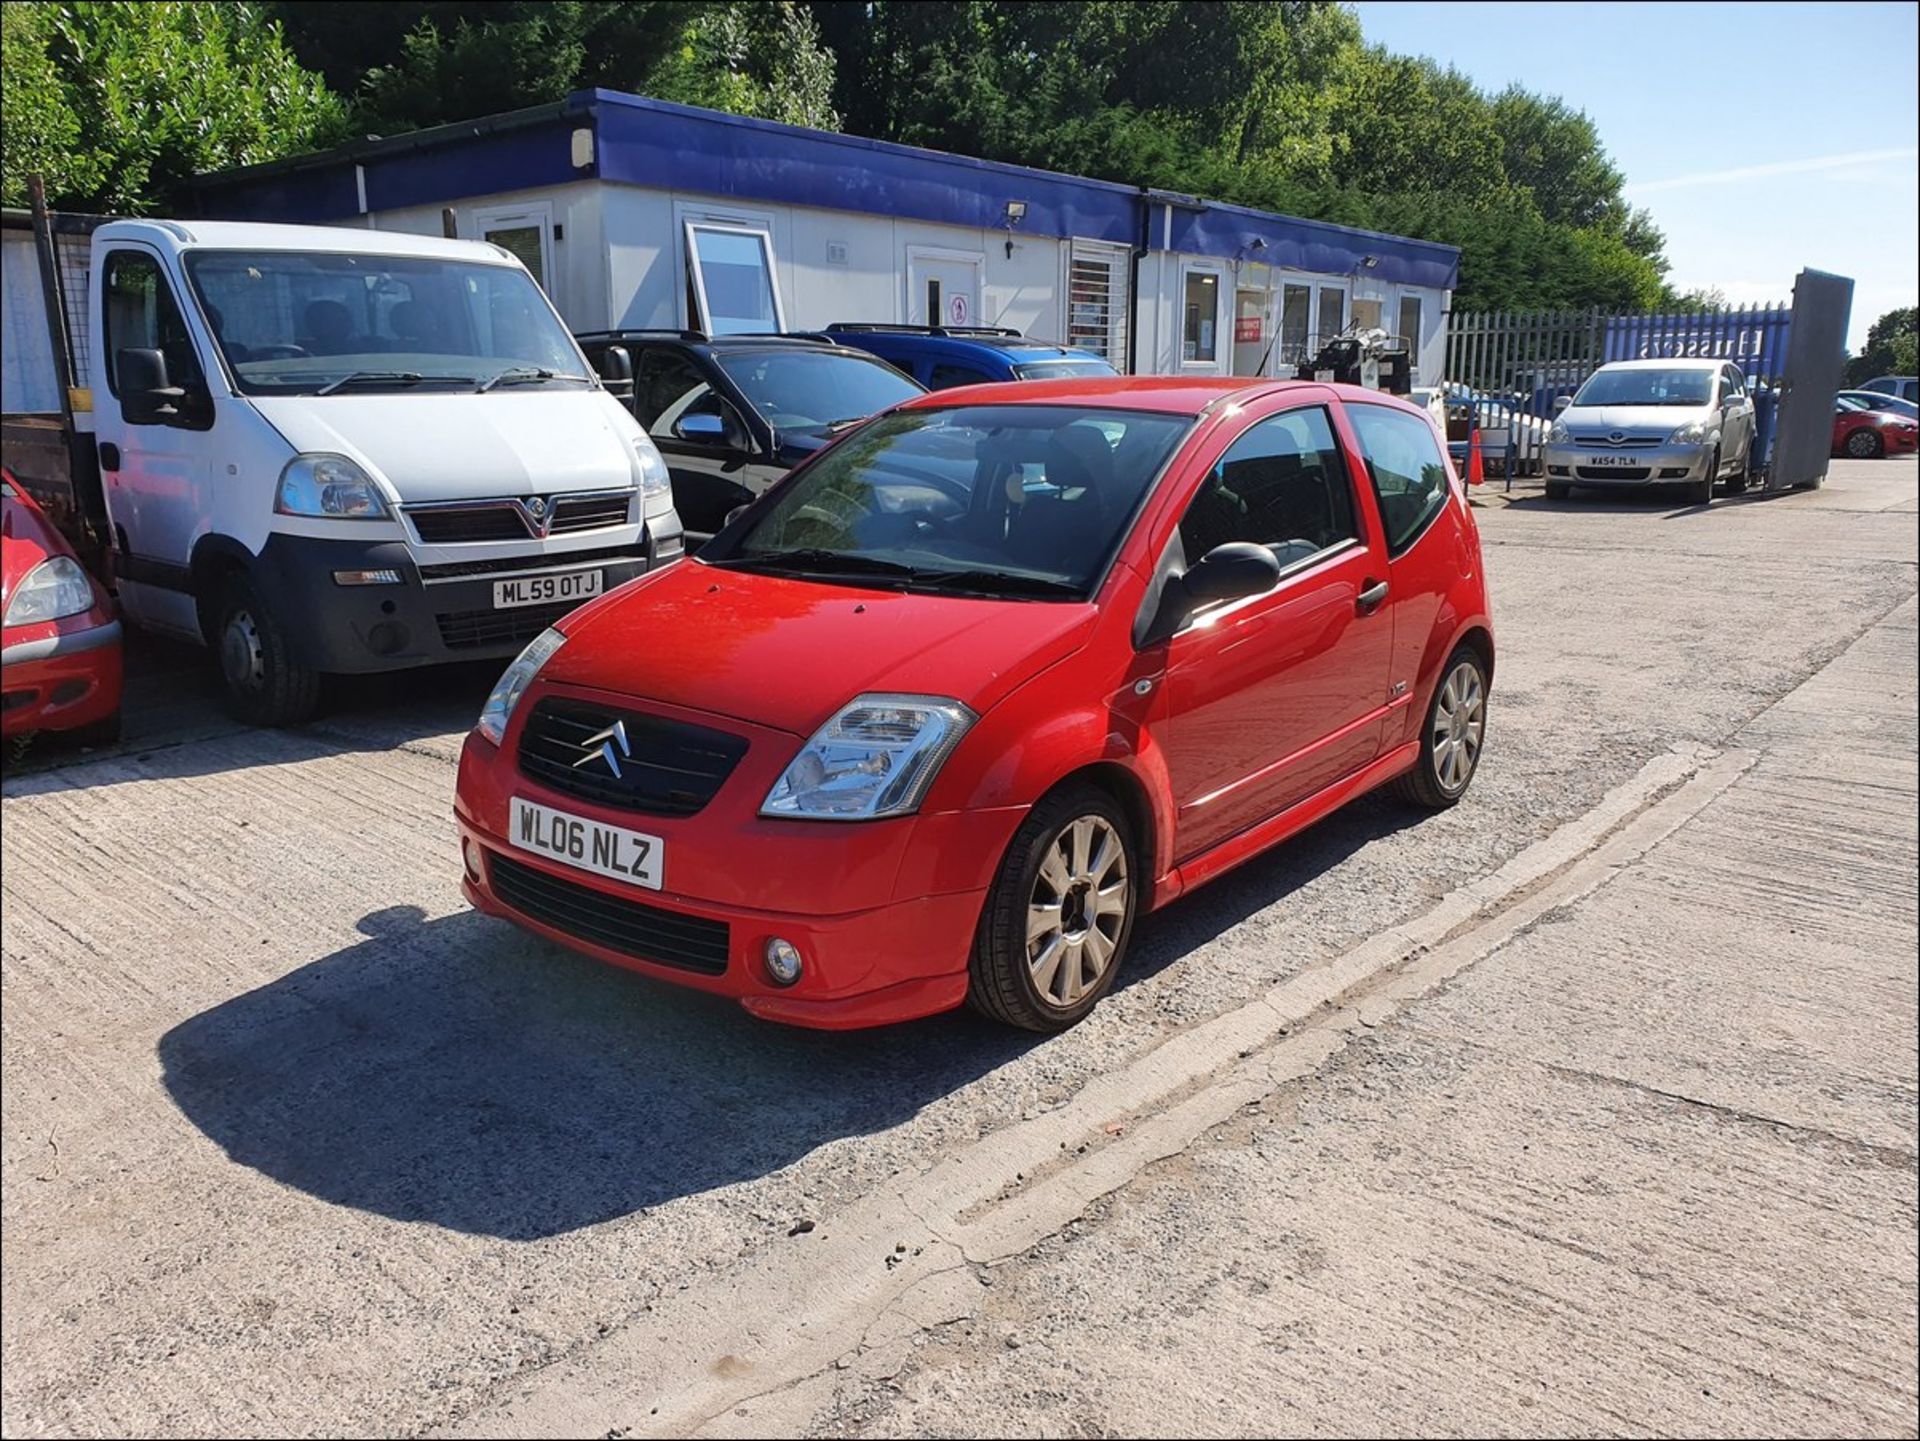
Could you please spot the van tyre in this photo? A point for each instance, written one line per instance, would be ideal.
(1451, 737)
(265, 684)
(1059, 915)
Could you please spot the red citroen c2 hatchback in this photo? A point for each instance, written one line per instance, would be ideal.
(941, 714)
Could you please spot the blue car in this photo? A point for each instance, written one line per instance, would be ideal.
(941, 356)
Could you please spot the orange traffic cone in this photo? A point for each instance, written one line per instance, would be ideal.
(1476, 468)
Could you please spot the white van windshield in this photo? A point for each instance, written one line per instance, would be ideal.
(319, 322)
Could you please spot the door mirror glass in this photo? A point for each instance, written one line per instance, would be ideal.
(709, 425)
(1230, 572)
(1561, 403)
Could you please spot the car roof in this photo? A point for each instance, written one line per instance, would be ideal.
(694, 340)
(1168, 394)
(1675, 363)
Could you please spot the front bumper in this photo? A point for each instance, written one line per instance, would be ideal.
(884, 913)
(434, 613)
(60, 681)
(1665, 464)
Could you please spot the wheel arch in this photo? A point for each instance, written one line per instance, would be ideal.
(215, 557)
(1129, 792)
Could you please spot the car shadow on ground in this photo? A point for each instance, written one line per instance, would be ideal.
(1662, 499)
(460, 1072)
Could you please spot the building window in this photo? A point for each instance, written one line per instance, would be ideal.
(730, 280)
(1333, 312)
(1366, 314)
(526, 234)
(1410, 323)
(1296, 324)
(1096, 303)
(1199, 344)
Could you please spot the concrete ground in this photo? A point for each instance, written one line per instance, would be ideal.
(1589, 1105)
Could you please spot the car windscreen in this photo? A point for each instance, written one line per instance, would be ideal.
(1020, 500)
(1063, 369)
(1679, 386)
(813, 390)
(306, 322)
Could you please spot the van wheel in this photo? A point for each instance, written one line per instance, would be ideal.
(1452, 736)
(265, 684)
(1059, 915)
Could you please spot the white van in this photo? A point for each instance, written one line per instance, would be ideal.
(333, 450)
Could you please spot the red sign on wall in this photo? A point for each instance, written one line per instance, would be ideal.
(1246, 328)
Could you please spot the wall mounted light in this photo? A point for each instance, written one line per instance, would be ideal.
(1370, 261)
(1016, 212)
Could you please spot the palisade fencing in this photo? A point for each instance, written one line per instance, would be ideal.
(1505, 368)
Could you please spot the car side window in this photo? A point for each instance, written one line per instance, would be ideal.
(141, 314)
(1404, 463)
(1737, 381)
(944, 377)
(667, 386)
(1282, 485)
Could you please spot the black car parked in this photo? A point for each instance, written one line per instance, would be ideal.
(733, 413)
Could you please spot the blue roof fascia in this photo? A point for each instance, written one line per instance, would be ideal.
(1314, 245)
(640, 141)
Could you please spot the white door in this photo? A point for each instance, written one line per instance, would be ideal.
(527, 231)
(944, 287)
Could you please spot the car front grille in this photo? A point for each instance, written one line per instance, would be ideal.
(1613, 472)
(1631, 442)
(472, 629)
(453, 570)
(469, 521)
(664, 767)
(633, 928)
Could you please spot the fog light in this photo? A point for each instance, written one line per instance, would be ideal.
(470, 854)
(783, 961)
(366, 577)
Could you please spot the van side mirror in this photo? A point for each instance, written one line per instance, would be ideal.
(1560, 404)
(615, 366)
(146, 397)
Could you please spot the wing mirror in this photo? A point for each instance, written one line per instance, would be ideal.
(1561, 403)
(615, 365)
(723, 428)
(1227, 572)
(146, 396)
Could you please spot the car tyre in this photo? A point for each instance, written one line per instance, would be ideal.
(265, 684)
(1700, 492)
(1558, 490)
(1741, 479)
(1059, 915)
(1452, 736)
(1864, 444)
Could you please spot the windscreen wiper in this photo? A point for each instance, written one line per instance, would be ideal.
(834, 427)
(995, 582)
(812, 560)
(371, 377)
(523, 375)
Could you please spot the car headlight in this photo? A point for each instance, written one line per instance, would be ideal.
(875, 757)
(54, 588)
(1692, 433)
(654, 480)
(513, 684)
(1558, 434)
(330, 486)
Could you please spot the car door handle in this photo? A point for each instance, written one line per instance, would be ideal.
(1375, 592)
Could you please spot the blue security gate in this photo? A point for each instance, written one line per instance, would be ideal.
(1505, 369)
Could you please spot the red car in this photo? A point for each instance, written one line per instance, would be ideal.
(60, 666)
(1864, 433)
(944, 712)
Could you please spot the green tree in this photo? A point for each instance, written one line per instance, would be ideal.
(410, 65)
(119, 104)
(1892, 348)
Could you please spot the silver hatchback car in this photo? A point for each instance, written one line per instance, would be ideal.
(1654, 422)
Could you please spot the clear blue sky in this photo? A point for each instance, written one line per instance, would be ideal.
(1763, 137)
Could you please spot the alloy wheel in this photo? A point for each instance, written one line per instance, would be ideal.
(1078, 910)
(1459, 723)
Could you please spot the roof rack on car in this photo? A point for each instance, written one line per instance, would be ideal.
(618, 331)
(956, 330)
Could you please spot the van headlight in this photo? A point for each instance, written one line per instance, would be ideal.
(513, 684)
(53, 589)
(329, 486)
(654, 480)
(1692, 433)
(875, 757)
